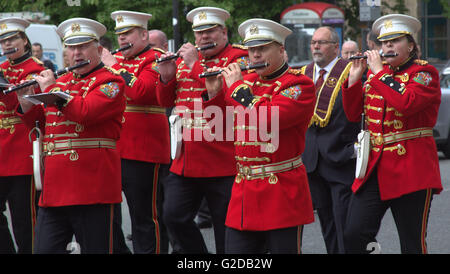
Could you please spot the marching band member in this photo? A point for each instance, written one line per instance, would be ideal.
(270, 200)
(204, 168)
(81, 181)
(144, 143)
(16, 180)
(400, 101)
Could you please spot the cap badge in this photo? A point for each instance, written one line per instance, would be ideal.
(3, 26)
(388, 24)
(76, 27)
(119, 19)
(254, 29)
(202, 16)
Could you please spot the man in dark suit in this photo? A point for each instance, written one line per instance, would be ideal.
(329, 155)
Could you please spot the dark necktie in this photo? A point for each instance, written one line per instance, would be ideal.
(319, 81)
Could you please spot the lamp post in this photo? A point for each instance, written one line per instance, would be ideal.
(175, 25)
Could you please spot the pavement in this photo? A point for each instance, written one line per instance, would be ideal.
(438, 238)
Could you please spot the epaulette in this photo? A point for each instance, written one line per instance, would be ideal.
(239, 46)
(127, 76)
(302, 70)
(295, 71)
(113, 71)
(37, 61)
(384, 62)
(421, 62)
(160, 50)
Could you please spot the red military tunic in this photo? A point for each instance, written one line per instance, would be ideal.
(145, 133)
(81, 163)
(404, 102)
(280, 198)
(15, 148)
(199, 157)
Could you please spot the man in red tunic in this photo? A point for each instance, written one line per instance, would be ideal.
(144, 141)
(270, 200)
(81, 181)
(205, 167)
(16, 180)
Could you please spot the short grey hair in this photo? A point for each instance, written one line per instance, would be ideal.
(334, 34)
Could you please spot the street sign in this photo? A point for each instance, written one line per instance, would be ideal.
(369, 10)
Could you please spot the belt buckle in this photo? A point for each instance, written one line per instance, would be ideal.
(50, 146)
(238, 168)
(243, 170)
(5, 123)
(239, 175)
(247, 172)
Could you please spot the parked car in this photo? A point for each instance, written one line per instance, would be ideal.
(441, 130)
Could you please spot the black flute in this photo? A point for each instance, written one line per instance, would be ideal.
(122, 48)
(208, 74)
(159, 60)
(354, 57)
(8, 52)
(57, 73)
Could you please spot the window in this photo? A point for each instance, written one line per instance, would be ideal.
(435, 32)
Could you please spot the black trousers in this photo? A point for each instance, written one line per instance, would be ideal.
(20, 194)
(91, 225)
(366, 211)
(142, 185)
(203, 214)
(331, 200)
(277, 241)
(182, 199)
(119, 246)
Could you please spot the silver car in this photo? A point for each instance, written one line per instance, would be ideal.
(442, 128)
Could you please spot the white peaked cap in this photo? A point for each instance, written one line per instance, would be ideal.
(11, 26)
(257, 32)
(126, 20)
(395, 25)
(204, 18)
(76, 31)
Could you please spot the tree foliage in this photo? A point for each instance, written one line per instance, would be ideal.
(161, 11)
